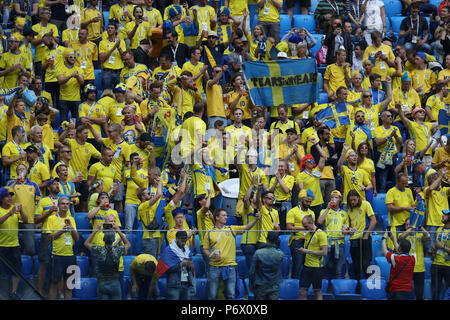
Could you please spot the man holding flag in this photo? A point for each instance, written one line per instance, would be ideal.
(176, 262)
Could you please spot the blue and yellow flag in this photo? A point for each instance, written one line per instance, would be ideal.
(443, 121)
(291, 81)
(333, 115)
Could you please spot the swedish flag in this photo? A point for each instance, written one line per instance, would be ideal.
(443, 121)
(291, 81)
(333, 115)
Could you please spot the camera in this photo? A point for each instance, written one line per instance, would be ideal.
(107, 226)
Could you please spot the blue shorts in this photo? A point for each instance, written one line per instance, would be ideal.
(60, 265)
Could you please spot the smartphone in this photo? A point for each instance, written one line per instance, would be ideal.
(107, 226)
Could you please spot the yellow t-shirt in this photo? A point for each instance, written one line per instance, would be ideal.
(38, 173)
(43, 207)
(95, 29)
(195, 69)
(204, 16)
(295, 216)
(224, 242)
(118, 12)
(202, 180)
(444, 75)
(12, 150)
(423, 78)
(194, 127)
(121, 153)
(269, 12)
(107, 173)
(58, 56)
(246, 178)
(237, 7)
(442, 235)
(9, 59)
(370, 115)
(312, 181)
(144, 31)
(293, 163)
(268, 220)
(146, 214)
(336, 76)
(279, 194)
(100, 217)
(357, 218)
(115, 59)
(239, 136)
(416, 241)
(71, 36)
(84, 59)
(334, 220)
(420, 133)
(204, 222)
(243, 103)
(40, 49)
(315, 241)
(368, 166)
(352, 180)
(381, 132)
(61, 246)
(251, 236)
(81, 155)
(409, 100)
(380, 66)
(440, 155)
(132, 187)
(70, 90)
(96, 110)
(399, 198)
(360, 136)
(435, 203)
(28, 195)
(435, 103)
(214, 101)
(153, 17)
(9, 238)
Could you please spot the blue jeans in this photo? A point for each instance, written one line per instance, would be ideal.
(430, 243)
(424, 47)
(215, 273)
(297, 258)
(131, 211)
(383, 174)
(183, 292)
(249, 251)
(66, 106)
(150, 246)
(110, 79)
(109, 290)
(333, 265)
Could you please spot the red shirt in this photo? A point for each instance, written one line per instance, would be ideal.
(403, 281)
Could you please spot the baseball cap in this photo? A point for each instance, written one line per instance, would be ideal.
(336, 193)
(446, 212)
(223, 10)
(212, 34)
(4, 192)
(49, 183)
(421, 55)
(413, 113)
(282, 55)
(291, 130)
(120, 88)
(90, 88)
(31, 149)
(306, 193)
(405, 76)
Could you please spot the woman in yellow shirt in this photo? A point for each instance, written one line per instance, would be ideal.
(258, 42)
(366, 164)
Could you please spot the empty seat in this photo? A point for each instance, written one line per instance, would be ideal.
(305, 21)
(127, 260)
(285, 24)
(83, 264)
(199, 266)
(286, 267)
(395, 23)
(376, 246)
(345, 289)
(385, 267)
(201, 289)
(27, 265)
(82, 222)
(106, 18)
(87, 290)
(379, 204)
(289, 289)
(373, 289)
(284, 246)
(393, 7)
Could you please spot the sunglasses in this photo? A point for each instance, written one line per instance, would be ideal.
(310, 161)
(66, 151)
(366, 96)
(389, 116)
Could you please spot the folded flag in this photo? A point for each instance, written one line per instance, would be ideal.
(417, 216)
(334, 115)
(171, 255)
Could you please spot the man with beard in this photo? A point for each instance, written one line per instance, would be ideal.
(358, 132)
(104, 170)
(179, 52)
(237, 57)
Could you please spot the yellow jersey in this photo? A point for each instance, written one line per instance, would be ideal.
(399, 198)
(85, 55)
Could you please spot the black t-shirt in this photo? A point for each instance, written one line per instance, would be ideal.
(182, 53)
(418, 30)
(59, 11)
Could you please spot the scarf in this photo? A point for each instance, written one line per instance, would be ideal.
(210, 57)
(365, 130)
(262, 47)
(386, 157)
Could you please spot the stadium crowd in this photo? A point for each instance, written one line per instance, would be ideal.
(131, 122)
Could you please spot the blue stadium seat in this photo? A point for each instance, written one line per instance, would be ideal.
(373, 291)
(127, 260)
(231, 221)
(201, 289)
(106, 18)
(285, 24)
(83, 263)
(345, 289)
(379, 204)
(395, 23)
(385, 221)
(27, 265)
(188, 218)
(286, 266)
(254, 22)
(98, 79)
(82, 222)
(199, 266)
(385, 267)
(197, 238)
(87, 291)
(376, 246)
(428, 262)
(240, 290)
(289, 289)
(162, 285)
(323, 98)
(121, 218)
(305, 21)
(313, 50)
(393, 7)
(284, 240)
(242, 267)
(324, 288)
(132, 239)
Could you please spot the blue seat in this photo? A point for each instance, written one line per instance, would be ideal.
(199, 266)
(98, 79)
(289, 289)
(376, 246)
(87, 291)
(201, 289)
(121, 218)
(27, 265)
(379, 204)
(385, 267)
(83, 264)
(393, 7)
(305, 21)
(285, 24)
(106, 18)
(231, 221)
(127, 260)
(162, 285)
(284, 246)
(385, 221)
(343, 286)
(242, 267)
(82, 222)
(35, 265)
(188, 218)
(240, 290)
(373, 289)
(313, 50)
(428, 262)
(285, 267)
(323, 97)
(324, 288)
(395, 23)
